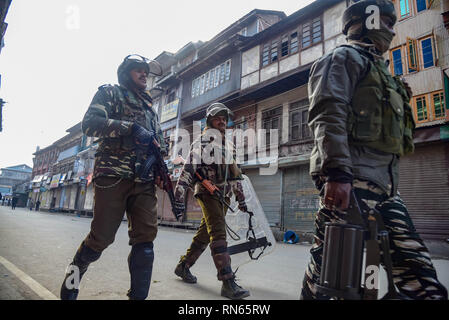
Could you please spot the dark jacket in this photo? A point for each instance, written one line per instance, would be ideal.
(333, 81)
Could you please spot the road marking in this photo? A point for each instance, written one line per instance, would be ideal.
(30, 282)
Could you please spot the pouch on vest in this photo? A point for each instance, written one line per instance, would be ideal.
(367, 107)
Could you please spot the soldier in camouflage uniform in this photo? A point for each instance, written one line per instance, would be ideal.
(362, 124)
(225, 175)
(123, 118)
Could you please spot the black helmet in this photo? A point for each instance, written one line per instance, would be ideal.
(216, 109)
(356, 12)
(134, 60)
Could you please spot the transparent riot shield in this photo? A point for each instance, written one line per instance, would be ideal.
(249, 235)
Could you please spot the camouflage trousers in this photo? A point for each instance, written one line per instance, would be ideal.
(413, 272)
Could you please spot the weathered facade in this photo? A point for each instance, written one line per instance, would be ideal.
(275, 68)
(419, 54)
(203, 73)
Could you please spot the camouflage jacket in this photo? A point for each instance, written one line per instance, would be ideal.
(110, 116)
(224, 174)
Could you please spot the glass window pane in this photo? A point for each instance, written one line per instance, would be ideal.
(295, 132)
(217, 76)
(206, 84)
(305, 131)
(294, 43)
(438, 103)
(421, 109)
(397, 62)
(295, 118)
(212, 78)
(193, 88)
(228, 70)
(427, 53)
(202, 84)
(421, 5)
(404, 7)
(222, 72)
(413, 61)
(274, 51)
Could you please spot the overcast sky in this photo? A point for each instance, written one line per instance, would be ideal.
(58, 52)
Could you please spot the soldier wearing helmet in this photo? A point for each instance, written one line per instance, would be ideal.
(362, 124)
(123, 119)
(226, 175)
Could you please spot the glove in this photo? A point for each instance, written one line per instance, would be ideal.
(142, 136)
(178, 209)
(242, 206)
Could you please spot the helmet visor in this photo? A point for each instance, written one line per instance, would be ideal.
(154, 68)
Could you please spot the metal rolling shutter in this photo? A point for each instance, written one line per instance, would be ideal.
(268, 190)
(73, 197)
(68, 194)
(424, 187)
(300, 200)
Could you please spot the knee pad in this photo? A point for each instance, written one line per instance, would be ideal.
(140, 262)
(142, 255)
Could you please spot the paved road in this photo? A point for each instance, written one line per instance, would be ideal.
(40, 246)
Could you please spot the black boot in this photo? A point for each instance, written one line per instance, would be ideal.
(230, 289)
(75, 271)
(140, 262)
(183, 271)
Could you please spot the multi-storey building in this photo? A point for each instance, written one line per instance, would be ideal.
(420, 55)
(59, 171)
(263, 76)
(212, 73)
(13, 176)
(273, 94)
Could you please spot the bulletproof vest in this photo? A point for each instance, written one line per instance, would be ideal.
(145, 118)
(381, 116)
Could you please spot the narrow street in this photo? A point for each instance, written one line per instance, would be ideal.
(40, 245)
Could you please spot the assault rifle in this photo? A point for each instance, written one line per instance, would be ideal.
(342, 262)
(213, 190)
(155, 162)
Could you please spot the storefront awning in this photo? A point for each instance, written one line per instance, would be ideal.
(37, 179)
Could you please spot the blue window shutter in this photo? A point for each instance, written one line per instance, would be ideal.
(397, 62)
(427, 53)
(421, 5)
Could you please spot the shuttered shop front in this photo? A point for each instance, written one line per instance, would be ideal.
(424, 187)
(268, 190)
(300, 199)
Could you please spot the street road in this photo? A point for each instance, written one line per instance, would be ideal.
(36, 247)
